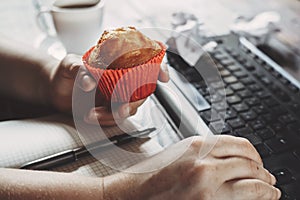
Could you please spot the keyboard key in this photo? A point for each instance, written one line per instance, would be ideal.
(215, 98)
(284, 160)
(233, 68)
(241, 107)
(236, 123)
(230, 114)
(257, 124)
(247, 81)
(277, 127)
(234, 54)
(225, 92)
(221, 106)
(207, 116)
(224, 73)
(260, 109)
(240, 74)
(259, 75)
(270, 102)
(245, 94)
(226, 61)
(262, 150)
(265, 133)
(219, 127)
(230, 80)
(241, 59)
(268, 118)
(233, 99)
(287, 119)
(254, 88)
(237, 86)
(220, 56)
(265, 81)
(278, 145)
(253, 139)
(249, 66)
(248, 116)
(284, 81)
(263, 94)
(244, 131)
(295, 107)
(293, 88)
(217, 85)
(283, 176)
(283, 96)
(252, 101)
(273, 88)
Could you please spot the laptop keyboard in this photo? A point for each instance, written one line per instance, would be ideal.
(261, 105)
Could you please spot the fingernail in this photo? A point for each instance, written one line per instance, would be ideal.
(164, 67)
(87, 83)
(126, 111)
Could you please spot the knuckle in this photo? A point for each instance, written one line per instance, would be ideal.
(205, 171)
(253, 167)
(206, 194)
(244, 142)
(258, 189)
(196, 143)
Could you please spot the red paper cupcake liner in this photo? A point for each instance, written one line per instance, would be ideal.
(128, 84)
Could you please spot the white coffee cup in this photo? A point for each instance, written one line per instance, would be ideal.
(77, 28)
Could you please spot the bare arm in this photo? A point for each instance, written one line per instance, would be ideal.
(26, 184)
(25, 72)
(34, 76)
(231, 169)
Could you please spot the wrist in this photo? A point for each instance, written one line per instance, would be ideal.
(123, 186)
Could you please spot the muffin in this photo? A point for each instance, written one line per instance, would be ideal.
(125, 63)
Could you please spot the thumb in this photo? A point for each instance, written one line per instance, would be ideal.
(87, 83)
(163, 73)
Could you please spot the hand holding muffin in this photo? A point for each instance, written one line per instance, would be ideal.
(64, 76)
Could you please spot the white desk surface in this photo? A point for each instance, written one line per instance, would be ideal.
(17, 18)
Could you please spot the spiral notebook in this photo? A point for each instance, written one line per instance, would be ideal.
(26, 140)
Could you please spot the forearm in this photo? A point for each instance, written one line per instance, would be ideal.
(25, 72)
(26, 184)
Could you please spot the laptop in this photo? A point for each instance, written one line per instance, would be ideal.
(251, 96)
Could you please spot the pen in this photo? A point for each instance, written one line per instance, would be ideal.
(72, 155)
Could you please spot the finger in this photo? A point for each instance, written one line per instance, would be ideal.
(227, 146)
(87, 83)
(240, 168)
(163, 73)
(109, 123)
(101, 114)
(129, 109)
(71, 65)
(248, 189)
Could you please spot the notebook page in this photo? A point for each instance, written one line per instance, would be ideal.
(22, 141)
